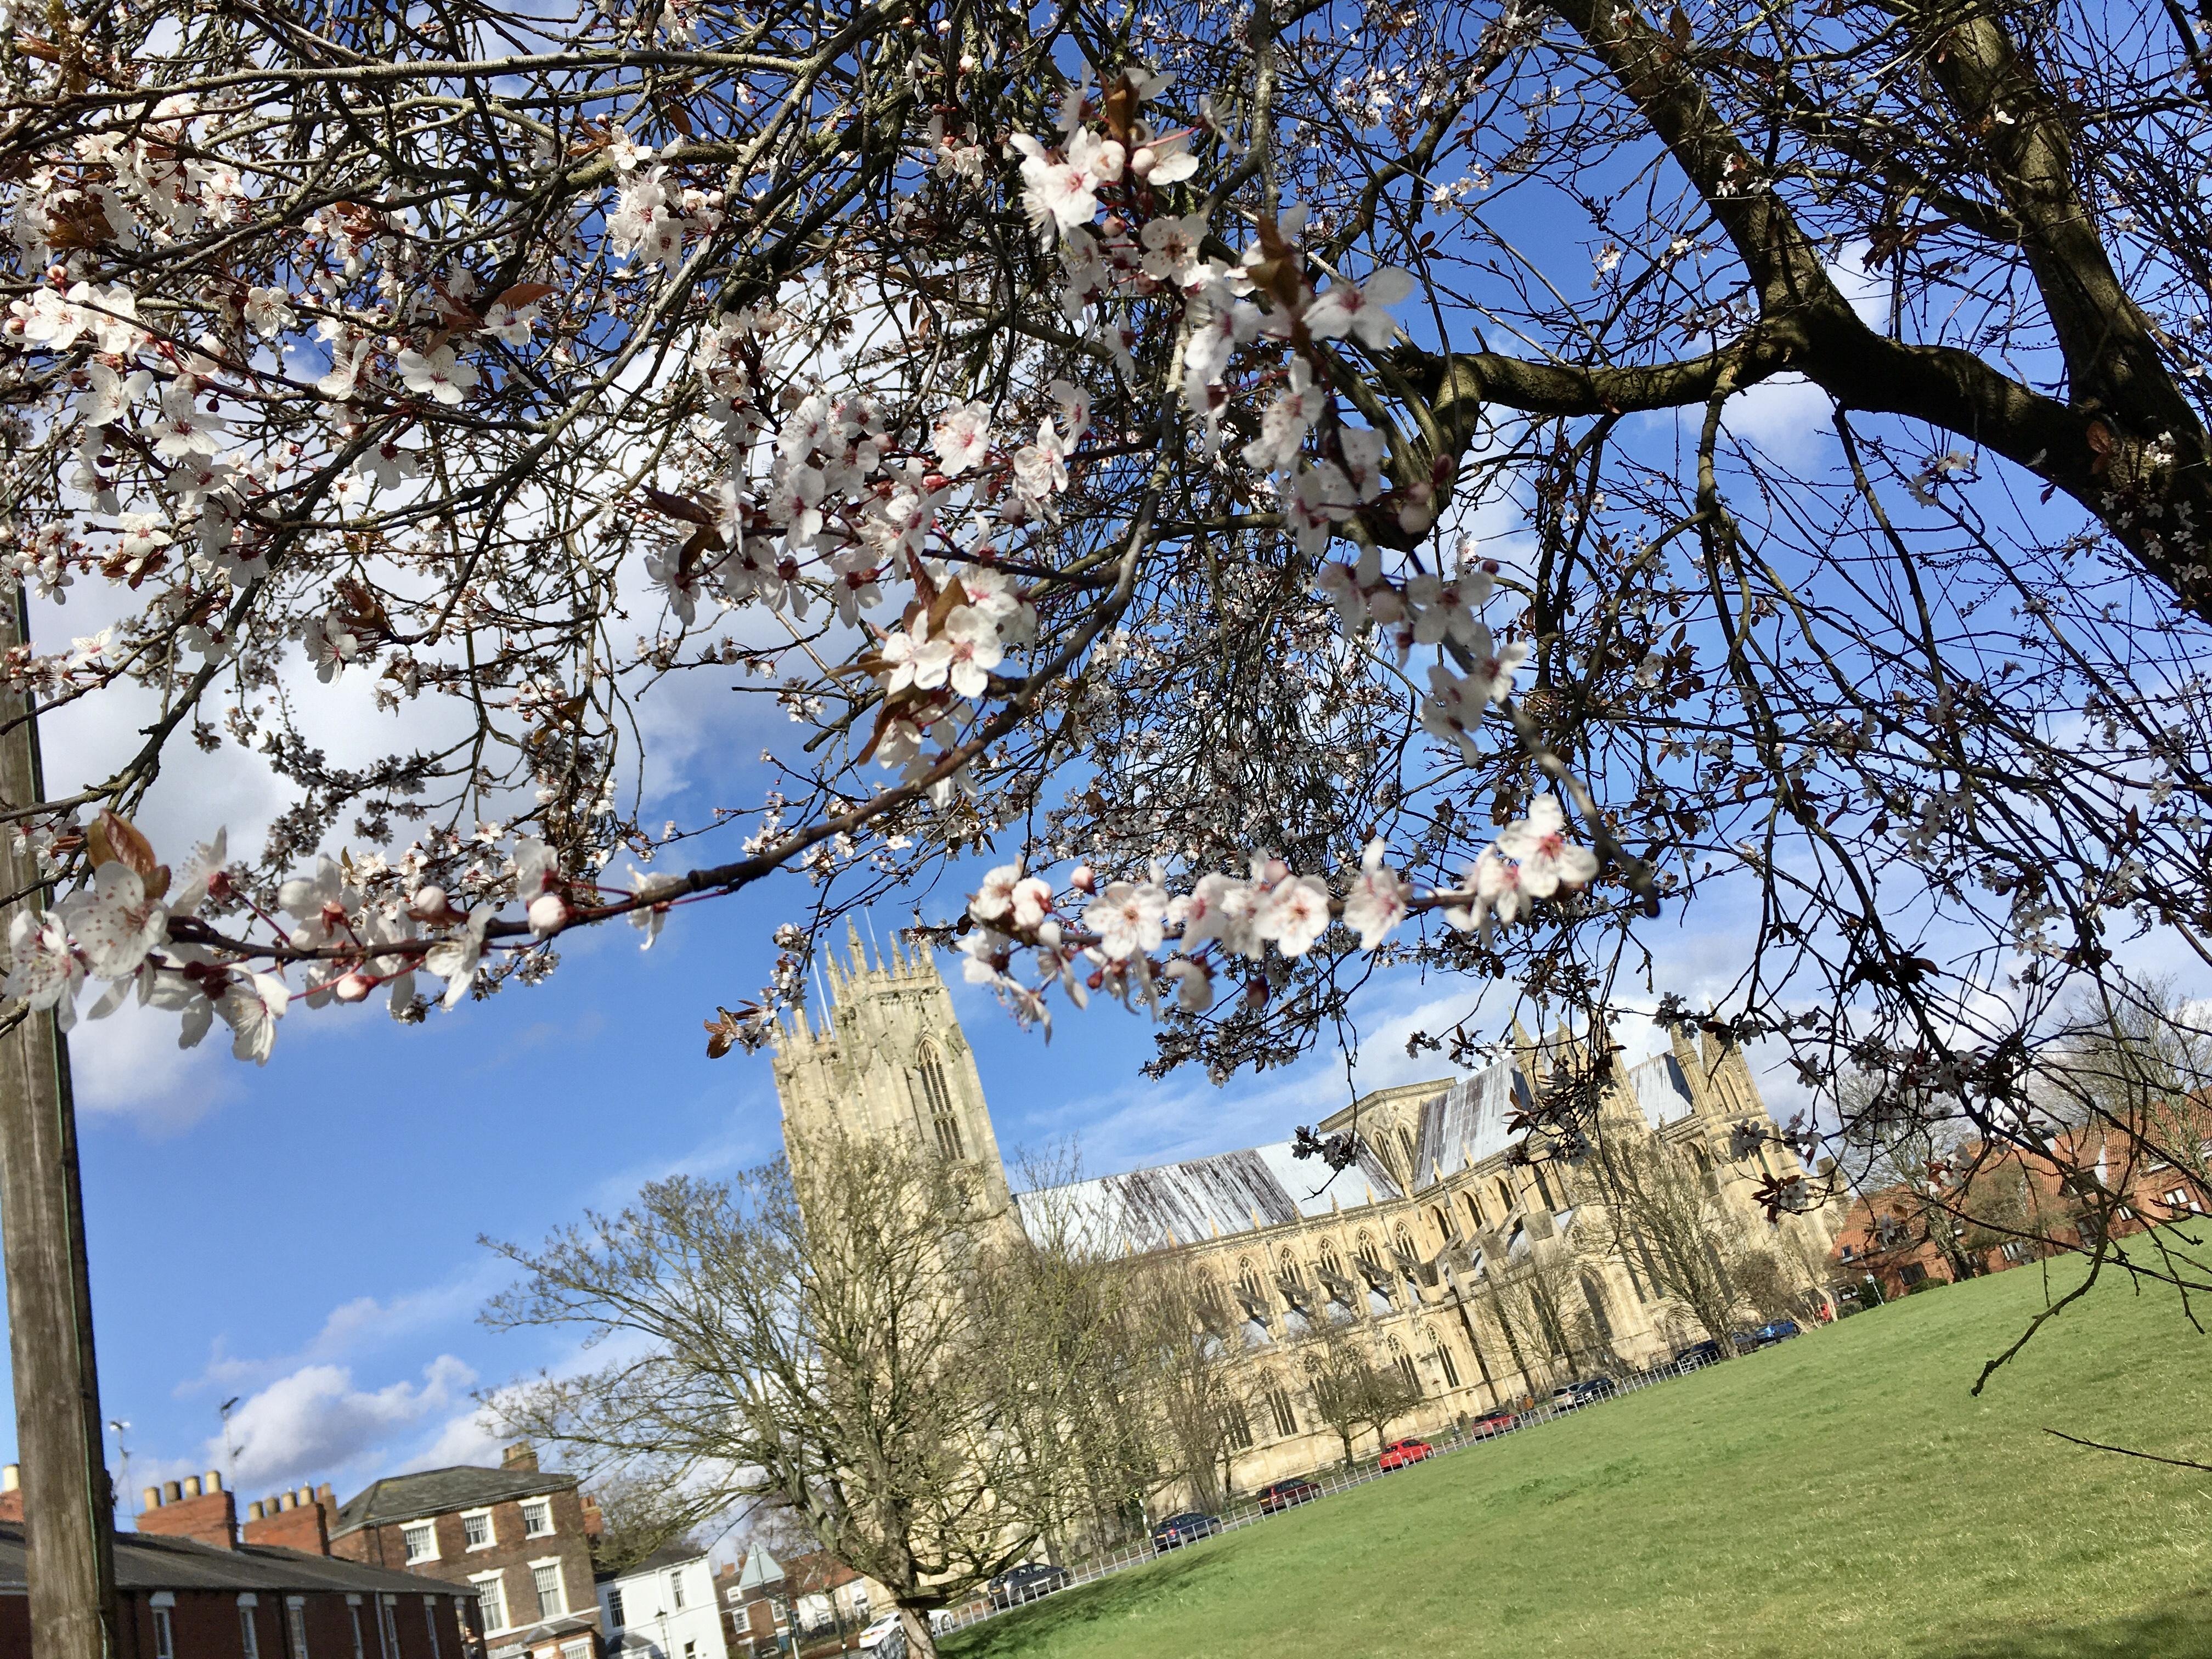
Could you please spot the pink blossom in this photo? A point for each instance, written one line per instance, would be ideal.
(1548, 860)
(1377, 902)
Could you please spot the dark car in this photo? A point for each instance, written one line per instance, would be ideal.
(1707, 1352)
(1573, 1396)
(1282, 1494)
(1399, 1454)
(1188, 1528)
(1026, 1584)
(1492, 1423)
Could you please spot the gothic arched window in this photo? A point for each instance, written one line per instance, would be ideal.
(1593, 1293)
(1404, 1362)
(1474, 1201)
(937, 1102)
(1406, 1149)
(1544, 1187)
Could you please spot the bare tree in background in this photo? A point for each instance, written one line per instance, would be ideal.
(812, 1334)
(1663, 1207)
(1354, 1388)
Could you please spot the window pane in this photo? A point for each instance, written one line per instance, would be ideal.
(552, 1602)
(493, 1606)
(615, 1608)
(477, 1528)
(538, 1518)
(422, 1542)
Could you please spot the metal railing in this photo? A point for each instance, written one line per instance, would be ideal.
(1246, 1511)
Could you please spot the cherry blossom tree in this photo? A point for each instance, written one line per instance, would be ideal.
(1297, 492)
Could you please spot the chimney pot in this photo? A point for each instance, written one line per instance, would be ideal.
(11, 1477)
(253, 1511)
(323, 1492)
(171, 1492)
(152, 1496)
(285, 1501)
(211, 1481)
(306, 1496)
(191, 1485)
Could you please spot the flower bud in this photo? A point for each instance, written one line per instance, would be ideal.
(549, 915)
(1085, 879)
(353, 986)
(428, 904)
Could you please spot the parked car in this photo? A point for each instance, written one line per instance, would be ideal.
(1188, 1528)
(1492, 1423)
(885, 1638)
(1284, 1494)
(1400, 1452)
(1780, 1331)
(1707, 1352)
(1572, 1396)
(1026, 1584)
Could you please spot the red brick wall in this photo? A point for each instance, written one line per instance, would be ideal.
(509, 1553)
(301, 1529)
(212, 1518)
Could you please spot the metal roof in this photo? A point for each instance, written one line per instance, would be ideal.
(1660, 1090)
(1202, 1197)
(439, 1492)
(1467, 1123)
(151, 1561)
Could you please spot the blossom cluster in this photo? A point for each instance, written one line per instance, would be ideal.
(1109, 942)
(351, 928)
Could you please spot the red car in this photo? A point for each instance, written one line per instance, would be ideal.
(1492, 1422)
(1400, 1452)
(1283, 1494)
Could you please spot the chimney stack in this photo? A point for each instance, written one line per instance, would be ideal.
(521, 1457)
(197, 1507)
(11, 1493)
(295, 1520)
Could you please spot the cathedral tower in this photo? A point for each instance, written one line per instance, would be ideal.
(887, 1057)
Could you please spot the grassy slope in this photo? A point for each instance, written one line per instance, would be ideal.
(1842, 1493)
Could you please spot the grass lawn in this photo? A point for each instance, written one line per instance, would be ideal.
(1839, 1494)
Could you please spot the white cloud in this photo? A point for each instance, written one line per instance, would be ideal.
(128, 1067)
(1787, 418)
(314, 1421)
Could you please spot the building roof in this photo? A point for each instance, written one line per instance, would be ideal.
(761, 1569)
(1202, 1197)
(1467, 1123)
(1660, 1090)
(670, 1555)
(439, 1492)
(152, 1561)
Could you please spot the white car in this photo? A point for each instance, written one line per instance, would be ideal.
(885, 1638)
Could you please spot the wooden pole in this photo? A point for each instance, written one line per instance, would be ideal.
(68, 1508)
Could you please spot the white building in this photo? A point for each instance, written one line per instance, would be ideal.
(663, 1607)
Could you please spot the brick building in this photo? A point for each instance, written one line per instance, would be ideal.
(755, 1612)
(190, 1588)
(1977, 1213)
(518, 1536)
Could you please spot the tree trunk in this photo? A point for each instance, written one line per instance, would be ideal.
(67, 1504)
(921, 1639)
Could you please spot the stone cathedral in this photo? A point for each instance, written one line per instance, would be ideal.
(1413, 1243)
